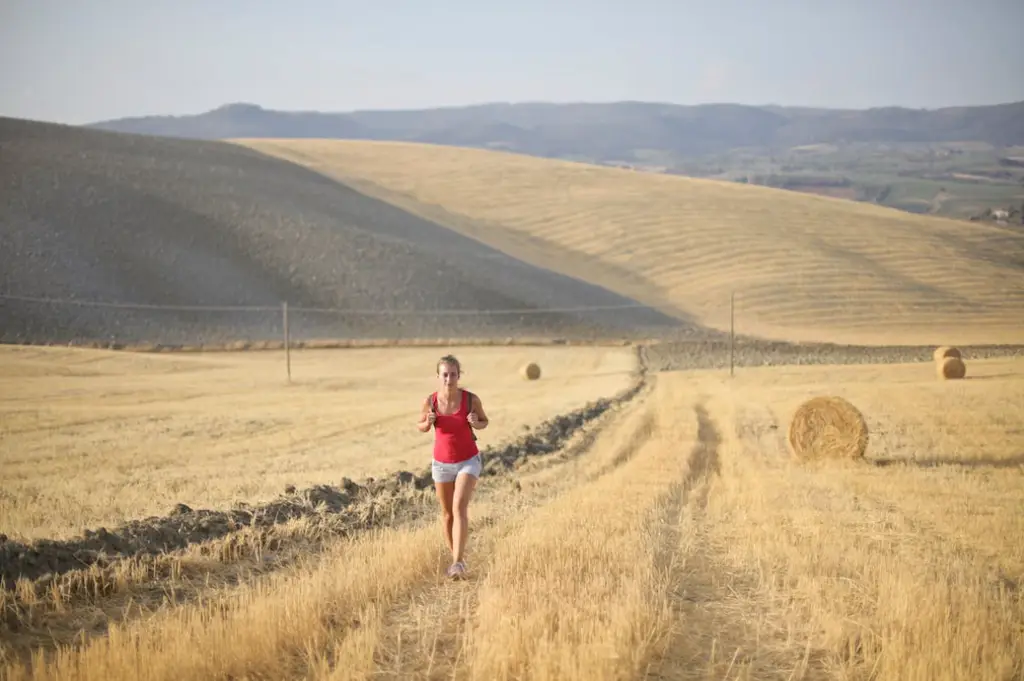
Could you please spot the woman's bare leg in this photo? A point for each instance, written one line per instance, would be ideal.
(464, 486)
(446, 494)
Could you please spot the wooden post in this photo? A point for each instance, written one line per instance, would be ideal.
(287, 340)
(732, 331)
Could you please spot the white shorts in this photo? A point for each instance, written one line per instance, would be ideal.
(447, 472)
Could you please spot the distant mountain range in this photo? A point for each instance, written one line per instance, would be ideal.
(604, 132)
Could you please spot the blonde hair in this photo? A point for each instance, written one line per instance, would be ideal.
(449, 359)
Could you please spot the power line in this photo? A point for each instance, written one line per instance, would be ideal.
(140, 306)
(321, 310)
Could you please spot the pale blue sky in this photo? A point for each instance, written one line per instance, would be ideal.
(76, 62)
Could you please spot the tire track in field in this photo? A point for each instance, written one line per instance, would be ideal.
(702, 462)
(722, 624)
(439, 616)
(706, 641)
(266, 549)
(888, 544)
(704, 458)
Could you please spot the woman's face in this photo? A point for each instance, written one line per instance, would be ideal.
(448, 375)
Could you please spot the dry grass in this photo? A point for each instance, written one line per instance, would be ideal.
(803, 267)
(273, 627)
(265, 629)
(83, 604)
(682, 543)
(863, 571)
(580, 591)
(91, 437)
(910, 416)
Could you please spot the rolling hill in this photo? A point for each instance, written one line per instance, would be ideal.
(802, 267)
(100, 232)
(956, 161)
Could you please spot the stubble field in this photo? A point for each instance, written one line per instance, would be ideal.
(96, 438)
(670, 537)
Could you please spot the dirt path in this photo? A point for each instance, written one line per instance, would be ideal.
(718, 620)
(549, 595)
(429, 634)
(685, 544)
(524, 611)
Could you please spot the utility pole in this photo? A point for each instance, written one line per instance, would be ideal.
(732, 332)
(287, 340)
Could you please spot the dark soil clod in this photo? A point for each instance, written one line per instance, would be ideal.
(184, 525)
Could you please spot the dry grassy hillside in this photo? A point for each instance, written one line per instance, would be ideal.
(124, 220)
(802, 267)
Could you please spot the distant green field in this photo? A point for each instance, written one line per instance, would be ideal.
(955, 180)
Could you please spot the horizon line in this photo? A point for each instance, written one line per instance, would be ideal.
(535, 102)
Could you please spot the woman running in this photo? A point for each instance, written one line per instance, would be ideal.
(454, 413)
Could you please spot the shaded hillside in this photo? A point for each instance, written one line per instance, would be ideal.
(97, 216)
(802, 267)
(603, 131)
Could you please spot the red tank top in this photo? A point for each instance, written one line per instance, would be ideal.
(453, 436)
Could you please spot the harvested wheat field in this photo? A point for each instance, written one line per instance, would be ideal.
(669, 535)
(93, 438)
(802, 267)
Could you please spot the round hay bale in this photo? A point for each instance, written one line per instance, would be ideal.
(952, 368)
(531, 371)
(827, 427)
(944, 351)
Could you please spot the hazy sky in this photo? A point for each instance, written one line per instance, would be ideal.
(75, 61)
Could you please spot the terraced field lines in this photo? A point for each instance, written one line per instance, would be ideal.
(803, 267)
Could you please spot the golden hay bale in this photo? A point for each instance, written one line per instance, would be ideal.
(944, 351)
(827, 427)
(531, 371)
(951, 367)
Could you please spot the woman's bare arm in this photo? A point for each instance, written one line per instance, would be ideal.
(427, 416)
(477, 416)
